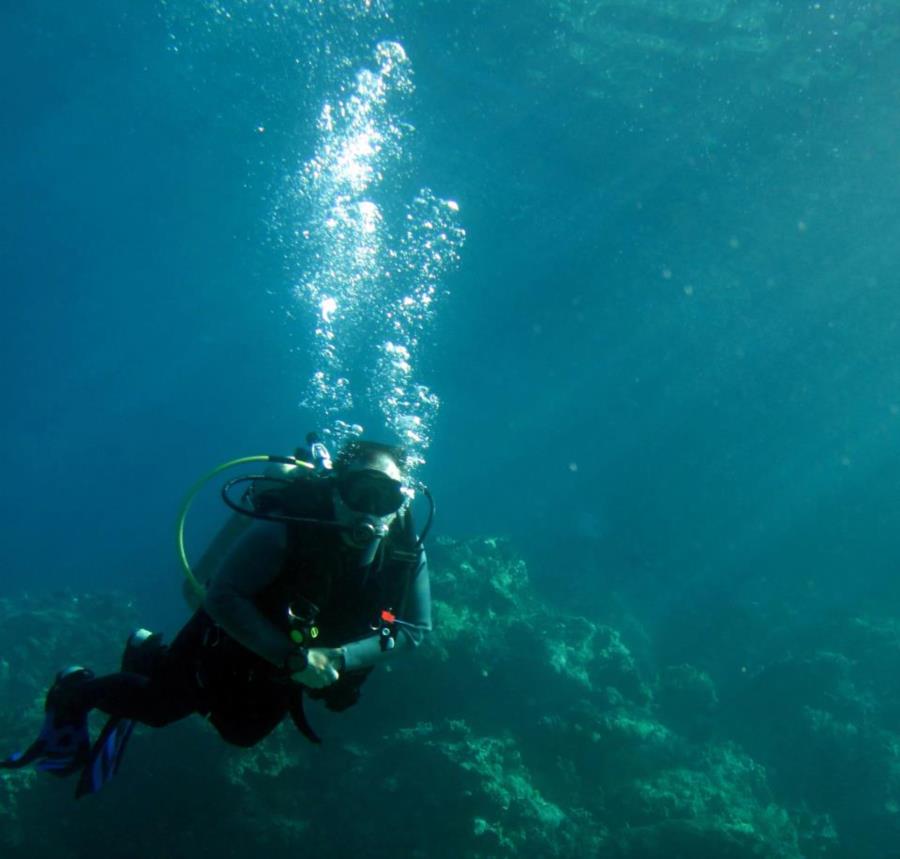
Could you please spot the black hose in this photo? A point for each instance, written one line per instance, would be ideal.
(267, 517)
(428, 522)
(306, 520)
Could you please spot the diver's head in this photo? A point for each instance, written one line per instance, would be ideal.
(370, 492)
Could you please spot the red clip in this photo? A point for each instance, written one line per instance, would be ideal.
(387, 617)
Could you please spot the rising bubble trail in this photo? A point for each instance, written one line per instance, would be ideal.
(371, 284)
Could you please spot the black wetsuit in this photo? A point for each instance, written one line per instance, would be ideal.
(228, 661)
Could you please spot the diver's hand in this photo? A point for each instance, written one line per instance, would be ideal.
(323, 667)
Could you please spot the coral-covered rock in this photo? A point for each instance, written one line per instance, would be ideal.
(718, 808)
(500, 809)
(687, 700)
(518, 729)
(488, 621)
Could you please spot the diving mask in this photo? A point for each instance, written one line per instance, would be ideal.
(372, 492)
(366, 504)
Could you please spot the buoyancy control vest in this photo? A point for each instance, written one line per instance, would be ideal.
(321, 584)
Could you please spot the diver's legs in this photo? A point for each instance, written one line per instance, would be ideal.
(154, 701)
(157, 686)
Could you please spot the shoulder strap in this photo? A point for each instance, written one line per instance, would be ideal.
(403, 555)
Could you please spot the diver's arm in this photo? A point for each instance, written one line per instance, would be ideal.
(416, 624)
(253, 564)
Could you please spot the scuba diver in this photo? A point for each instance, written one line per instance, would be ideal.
(328, 580)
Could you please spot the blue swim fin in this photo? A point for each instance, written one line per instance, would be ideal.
(63, 745)
(105, 756)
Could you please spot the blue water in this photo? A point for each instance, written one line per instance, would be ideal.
(667, 359)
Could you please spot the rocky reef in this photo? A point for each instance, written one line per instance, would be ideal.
(517, 730)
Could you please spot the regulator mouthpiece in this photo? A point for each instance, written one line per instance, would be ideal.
(365, 531)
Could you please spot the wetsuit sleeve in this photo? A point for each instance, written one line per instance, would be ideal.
(252, 565)
(411, 633)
